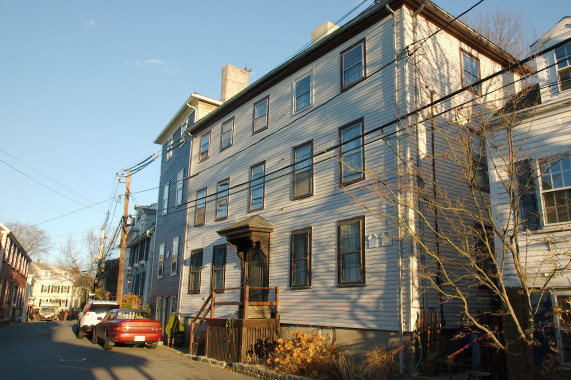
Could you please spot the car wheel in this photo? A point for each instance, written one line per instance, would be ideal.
(94, 336)
(80, 332)
(108, 346)
(154, 345)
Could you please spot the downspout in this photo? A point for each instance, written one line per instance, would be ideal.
(418, 159)
(186, 232)
(399, 195)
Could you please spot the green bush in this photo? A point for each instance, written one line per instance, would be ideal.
(174, 326)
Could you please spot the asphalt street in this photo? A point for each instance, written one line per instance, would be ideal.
(50, 350)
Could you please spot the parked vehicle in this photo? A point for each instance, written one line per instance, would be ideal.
(48, 312)
(91, 314)
(128, 326)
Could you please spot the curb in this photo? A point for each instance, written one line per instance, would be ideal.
(243, 368)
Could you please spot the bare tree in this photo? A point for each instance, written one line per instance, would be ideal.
(469, 250)
(34, 240)
(508, 29)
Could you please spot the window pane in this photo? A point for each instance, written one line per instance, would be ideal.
(303, 173)
(302, 93)
(222, 201)
(227, 133)
(351, 267)
(353, 65)
(204, 146)
(257, 187)
(200, 210)
(261, 115)
(351, 154)
(299, 273)
(300, 258)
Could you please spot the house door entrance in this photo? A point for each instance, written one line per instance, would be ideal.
(257, 274)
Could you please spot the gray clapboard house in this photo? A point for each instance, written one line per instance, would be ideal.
(541, 141)
(274, 237)
(170, 230)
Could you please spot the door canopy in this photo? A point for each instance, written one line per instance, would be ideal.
(248, 233)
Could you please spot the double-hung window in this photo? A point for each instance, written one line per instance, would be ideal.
(303, 170)
(204, 152)
(470, 71)
(257, 185)
(556, 189)
(300, 258)
(227, 134)
(563, 59)
(302, 93)
(179, 186)
(353, 65)
(218, 267)
(195, 271)
(200, 208)
(174, 259)
(165, 198)
(161, 260)
(351, 163)
(351, 251)
(169, 148)
(261, 115)
(222, 199)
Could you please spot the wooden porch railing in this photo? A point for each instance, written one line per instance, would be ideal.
(210, 306)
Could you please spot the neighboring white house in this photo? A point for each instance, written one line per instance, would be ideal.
(139, 254)
(269, 207)
(542, 158)
(53, 284)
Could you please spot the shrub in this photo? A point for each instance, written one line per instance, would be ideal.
(174, 326)
(304, 355)
(131, 301)
(376, 364)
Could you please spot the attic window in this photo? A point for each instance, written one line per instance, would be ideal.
(563, 58)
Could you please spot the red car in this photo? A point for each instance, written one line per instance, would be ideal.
(127, 326)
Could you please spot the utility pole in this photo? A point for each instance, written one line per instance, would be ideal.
(123, 240)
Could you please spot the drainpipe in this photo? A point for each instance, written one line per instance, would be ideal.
(186, 232)
(399, 195)
(418, 160)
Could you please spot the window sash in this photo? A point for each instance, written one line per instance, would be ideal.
(222, 200)
(227, 134)
(303, 171)
(195, 271)
(257, 187)
(200, 209)
(218, 267)
(470, 71)
(179, 186)
(556, 190)
(174, 261)
(351, 153)
(165, 198)
(353, 65)
(303, 93)
(300, 258)
(351, 251)
(261, 115)
(161, 260)
(204, 146)
(169, 148)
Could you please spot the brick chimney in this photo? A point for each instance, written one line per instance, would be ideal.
(322, 31)
(234, 80)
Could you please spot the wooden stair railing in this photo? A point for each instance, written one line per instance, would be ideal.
(200, 317)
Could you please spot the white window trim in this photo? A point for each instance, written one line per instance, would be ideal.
(294, 85)
(231, 120)
(179, 187)
(161, 271)
(166, 189)
(209, 134)
(170, 144)
(361, 43)
(175, 254)
(539, 191)
(266, 99)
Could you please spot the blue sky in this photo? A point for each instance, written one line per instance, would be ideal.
(86, 86)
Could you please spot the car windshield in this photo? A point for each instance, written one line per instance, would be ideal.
(134, 314)
(102, 308)
(48, 309)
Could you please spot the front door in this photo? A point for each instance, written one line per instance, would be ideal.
(257, 274)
